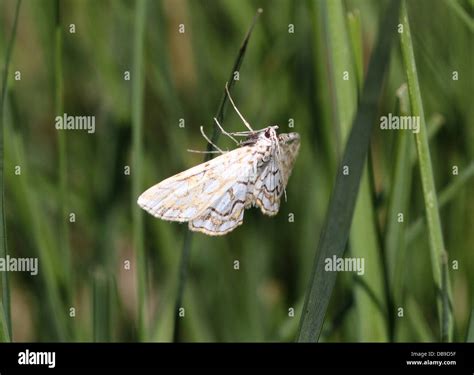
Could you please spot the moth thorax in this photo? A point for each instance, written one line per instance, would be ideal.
(266, 154)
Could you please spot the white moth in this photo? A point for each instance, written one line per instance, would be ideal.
(212, 196)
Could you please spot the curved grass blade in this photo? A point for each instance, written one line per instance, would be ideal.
(341, 207)
(183, 265)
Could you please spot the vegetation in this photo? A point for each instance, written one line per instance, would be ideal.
(152, 73)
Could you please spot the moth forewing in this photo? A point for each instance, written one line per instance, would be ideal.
(185, 195)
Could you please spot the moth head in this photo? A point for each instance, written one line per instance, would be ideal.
(270, 133)
(265, 136)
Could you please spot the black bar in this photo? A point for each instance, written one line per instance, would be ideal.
(290, 355)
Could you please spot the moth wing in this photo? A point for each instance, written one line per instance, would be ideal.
(268, 188)
(185, 195)
(273, 178)
(289, 147)
(226, 212)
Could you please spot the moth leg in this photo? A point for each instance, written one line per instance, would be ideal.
(236, 110)
(209, 141)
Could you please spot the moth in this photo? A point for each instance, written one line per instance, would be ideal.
(213, 195)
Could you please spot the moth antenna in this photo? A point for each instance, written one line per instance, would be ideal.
(224, 132)
(236, 110)
(209, 141)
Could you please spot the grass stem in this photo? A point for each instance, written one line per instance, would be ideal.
(6, 315)
(438, 254)
(137, 158)
(63, 234)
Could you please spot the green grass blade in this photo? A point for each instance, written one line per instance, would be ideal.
(417, 326)
(341, 207)
(398, 203)
(63, 232)
(137, 157)
(345, 90)
(4, 330)
(461, 13)
(42, 243)
(446, 195)
(183, 273)
(434, 125)
(438, 255)
(3, 226)
(185, 253)
(369, 300)
(100, 304)
(322, 101)
(355, 35)
(470, 329)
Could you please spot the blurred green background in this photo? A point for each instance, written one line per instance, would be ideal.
(286, 78)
